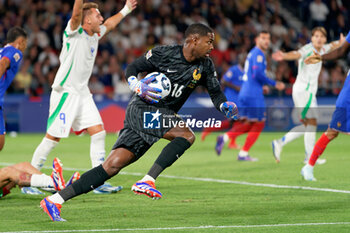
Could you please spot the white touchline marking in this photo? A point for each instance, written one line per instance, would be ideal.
(214, 180)
(187, 228)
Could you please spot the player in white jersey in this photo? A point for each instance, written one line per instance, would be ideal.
(304, 91)
(71, 103)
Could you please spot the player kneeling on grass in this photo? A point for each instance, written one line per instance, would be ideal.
(25, 175)
(186, 66)
(341, 117)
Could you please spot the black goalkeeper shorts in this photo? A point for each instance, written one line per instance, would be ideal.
(143, 126)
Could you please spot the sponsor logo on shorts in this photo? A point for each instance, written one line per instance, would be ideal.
(151, 120)
(155, 120)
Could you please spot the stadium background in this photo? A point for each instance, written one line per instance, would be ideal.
(157, 22)
(202, 192)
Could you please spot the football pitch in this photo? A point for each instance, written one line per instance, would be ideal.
(201, 191)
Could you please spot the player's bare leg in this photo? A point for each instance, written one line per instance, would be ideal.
(27, 167)
(181, 139)
(2, 141)
(25, 175)
(97, 155)
(11, 174)
(117, 159)
(40, 155)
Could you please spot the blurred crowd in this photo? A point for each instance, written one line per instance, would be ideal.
(159, 22)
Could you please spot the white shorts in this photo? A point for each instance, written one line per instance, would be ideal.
(305, 104)
(69, 110)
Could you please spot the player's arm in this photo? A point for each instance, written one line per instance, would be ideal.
(229, 109)
(336, 44)
(259, 73)
(140, 65)
(213, 86)
(290, 56)
(217, 96)
(337, 53)
(4, 65)
(140, 87)
(77, 14)
(114, 20)
(224, 83)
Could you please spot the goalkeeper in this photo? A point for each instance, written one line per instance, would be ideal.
(187, 66)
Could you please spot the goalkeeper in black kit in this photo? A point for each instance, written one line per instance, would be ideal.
(186, 66)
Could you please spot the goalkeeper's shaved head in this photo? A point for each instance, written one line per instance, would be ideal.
(198, 28)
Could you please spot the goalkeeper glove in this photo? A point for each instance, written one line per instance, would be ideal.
(230, 110)
(147, 93)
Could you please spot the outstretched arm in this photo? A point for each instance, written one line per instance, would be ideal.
(336, 44)
(224, 83)
(290, 56)
(77, 14)
(114, 20)
(339, 52)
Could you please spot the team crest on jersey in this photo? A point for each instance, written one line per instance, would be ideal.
(92, 50)
(338, 124)
(259, 58)
(16, 57)
(149, 54)
(196, 76)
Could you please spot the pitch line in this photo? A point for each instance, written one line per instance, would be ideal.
(188, 228)
(215, 180)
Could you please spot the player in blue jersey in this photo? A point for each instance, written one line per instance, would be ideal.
(231, 82)
(233, 79)
(10, 60)
(341, 117)
(251, 98)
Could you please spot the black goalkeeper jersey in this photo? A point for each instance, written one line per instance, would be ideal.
(184, 76)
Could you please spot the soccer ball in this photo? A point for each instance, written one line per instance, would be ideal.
(162, 82)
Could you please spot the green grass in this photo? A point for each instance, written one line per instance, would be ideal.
(192, 203)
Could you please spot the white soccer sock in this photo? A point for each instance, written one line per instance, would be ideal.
(226, 137)
(41, 181)
(243, 153)
(56, 198)
(42, 151)
(97, 148)
(148, 178)
(309, 140)
(294, 133)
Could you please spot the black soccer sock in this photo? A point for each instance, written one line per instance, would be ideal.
(87, 182)
(169, 155)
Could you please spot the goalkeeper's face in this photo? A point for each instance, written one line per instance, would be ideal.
(95, 19)
(204, 45)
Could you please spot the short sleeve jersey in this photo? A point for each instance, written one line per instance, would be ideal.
(307, 78)
(255, 75)
(77, 60)
(15, 57)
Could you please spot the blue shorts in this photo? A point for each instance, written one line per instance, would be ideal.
(253, 109)
(341, 120)
(2, 122)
